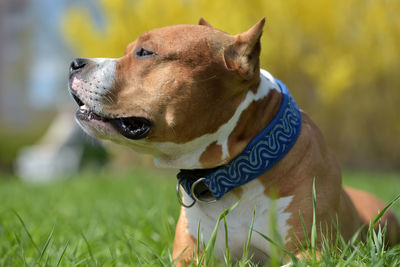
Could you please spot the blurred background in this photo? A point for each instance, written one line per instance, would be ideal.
(339, 58)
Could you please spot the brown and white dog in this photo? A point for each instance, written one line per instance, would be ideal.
(194, 97)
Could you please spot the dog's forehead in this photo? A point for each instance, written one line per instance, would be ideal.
(182, 36)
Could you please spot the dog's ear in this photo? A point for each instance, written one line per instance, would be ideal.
(243, 55)
(203, 22)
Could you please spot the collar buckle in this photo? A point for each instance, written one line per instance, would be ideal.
(180, 199)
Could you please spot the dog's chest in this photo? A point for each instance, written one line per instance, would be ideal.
(268, 214)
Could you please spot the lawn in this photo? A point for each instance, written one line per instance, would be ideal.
(108, 218)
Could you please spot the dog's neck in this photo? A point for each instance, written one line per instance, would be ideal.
(257, 108)
(261, 154)
(257, 115)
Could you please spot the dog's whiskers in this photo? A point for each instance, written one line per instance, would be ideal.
(172, 126)
(109, 99)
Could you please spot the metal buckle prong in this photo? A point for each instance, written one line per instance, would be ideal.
(194, 195)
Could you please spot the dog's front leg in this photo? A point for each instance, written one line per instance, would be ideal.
(185, 244)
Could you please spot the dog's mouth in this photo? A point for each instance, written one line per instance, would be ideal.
(130, 127)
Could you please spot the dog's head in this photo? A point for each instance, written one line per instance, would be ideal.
(171, 91)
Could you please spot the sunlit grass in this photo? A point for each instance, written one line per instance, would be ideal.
(128, 219)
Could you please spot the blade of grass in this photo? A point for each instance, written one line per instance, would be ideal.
(304, 230)
(22, 249)
(377, 238)
(47, 260)
(227, 256)
(46, 245)
(380, 214)
(246, 250)
(335, 231)
(350, 243)
(350, 258)
(314, 227)
(150, 249)
(290, 254)
(130, 248)
(199, 257)
(26, 230)
(175, 261)
(211, 243)
(89, 249)
(298, 244)
(62, 254)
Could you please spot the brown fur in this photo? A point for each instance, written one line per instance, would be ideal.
(162, 91)
(294, 174)
(212, 154)
(252, 121)
(368, 207)
(184, 243)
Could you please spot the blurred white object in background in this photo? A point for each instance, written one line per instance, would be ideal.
(44, 163)
(61, 152)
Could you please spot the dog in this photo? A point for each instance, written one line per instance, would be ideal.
(195, 98)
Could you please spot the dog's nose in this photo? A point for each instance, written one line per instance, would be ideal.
(77, 64)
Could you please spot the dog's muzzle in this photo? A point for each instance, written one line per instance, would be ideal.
(130, 127)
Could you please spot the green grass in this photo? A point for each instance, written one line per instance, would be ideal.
(127, 219)
(98, 219)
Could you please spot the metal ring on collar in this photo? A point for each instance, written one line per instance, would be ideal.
(180, 200)
(194, 195)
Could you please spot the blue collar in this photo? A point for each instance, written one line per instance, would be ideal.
(260, 155)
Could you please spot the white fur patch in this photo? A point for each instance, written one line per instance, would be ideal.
(104, 73)
(187, 155)
(97, 83)
(239, 220)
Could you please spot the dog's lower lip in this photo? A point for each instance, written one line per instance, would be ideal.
(83, 113)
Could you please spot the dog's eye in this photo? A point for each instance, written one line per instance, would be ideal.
(141, 53)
